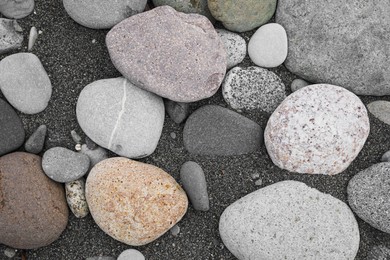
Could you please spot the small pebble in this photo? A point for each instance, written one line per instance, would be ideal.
(90, 144)
(95, 156)
(9, 252)
(10, 36)
(381, 110)
(173, 135)
(259, 182)
(75, 196)
(255, 176)
(75, 136)
(131, 254)
(177, 111)
(77, 147)
(298, 84)
(235, 47)
(40, 32)
(386, 157)
(32, 38)
(93, 41)
(36, 141)
(175, 230)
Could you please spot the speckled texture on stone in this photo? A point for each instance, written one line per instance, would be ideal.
(63, 165)
(33, 210)
(369, 197)
(95, 155)
(131, 254)
(177, 111)
(121, 117)
(25, 83)
(175, 55)
(289, 220)
(134, 202)
(253, 88)
(379, 253)
(36, 141)
(11, 129)
(243, 15)
(75, 196)
(16, 9)
(235, 47)
(381, 110)
(298, 84)
(268, 46)
(345, 44)
(10, 36)
(188, 6)
(319, 129)
(214, 130)
(102, 14)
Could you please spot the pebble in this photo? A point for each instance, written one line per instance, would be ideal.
(75, 136)
(244, 15)
(153, 202)
(16, 9)
(381, 110)
(379, 253)
(188, 6)
(253, 88)
(36, 141)
(77, 147)
(183, 60)
(102, 14)
(132, 125)
(11, 129)
(131, 254)
(386, 157)
(173, 135)
(11, 37)
(268, 46)
(259, 182)
(315, 226)
(369, 197)
(235, 47)
(95, 156)
(175, 230)
(319, 129)
(32, 38)
(298, 84)
(214, 130)
(9, 252)
(255, 176)
(101, 258)
(75, 196)
(91, 145)
(177, 111)
(23, 73)
(33, 211)
(63, 165)
(195, 185)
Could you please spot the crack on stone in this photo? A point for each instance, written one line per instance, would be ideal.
(119, 116)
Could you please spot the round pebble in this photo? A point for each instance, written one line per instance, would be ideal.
(131, 254)
(177, 111)
(235, 47)
(386, 157)
(175, 230)
(298, 84)
(9, 252)
(381, 110)
(75, 196)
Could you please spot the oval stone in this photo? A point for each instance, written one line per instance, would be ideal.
(16, 9)
(381, 110)
(235, 47)
(75, 196)
(134, 202)
(319, 129)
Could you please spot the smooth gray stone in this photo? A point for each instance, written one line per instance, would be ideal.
(381, 110)
(75, 136)
(91, 145)
(298, 84)
(214, 130)
(369, 196)
(386, 157)
(63, 165)
(195, 185)
(11, 37)
(95, 156)
(16, 9)
(177, 111)
(379, 253)
(131, 254)
(36, 141)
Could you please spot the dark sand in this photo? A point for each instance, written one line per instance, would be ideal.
(73, 61)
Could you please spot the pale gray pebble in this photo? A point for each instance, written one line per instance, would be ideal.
(131, 254)
(259, 182)
(75, 136)
(95, 156)
(386, 157)
(63, 165)
(298, 84)
(32, 38)
(177, 111)
(194, 183)
(9, 252)
(90, 144)
(36, 141)
(173, 135)
(75, 196)
(255, 176)
(379, 253)
(101, 258)
(235, 47)
(381, 110)
(10, 36)
(175, 230)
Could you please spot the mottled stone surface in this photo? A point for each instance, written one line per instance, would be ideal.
(381, 110)
(214, 130)
(334, 42)
(11, 36)
(188, 6)
(36, 141)
(253, 88)
(33, 210)
(102, 14)
(182, 59)
(16, 9)
(121, 117)
(235, 47)
(75, 196)
(134, 202)
(369, 197)
(289, 220)
(319, 129)
(298, 84)
(131, 254)
(243, 15)
(177, 111)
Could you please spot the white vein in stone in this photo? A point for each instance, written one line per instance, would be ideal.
(119, 115)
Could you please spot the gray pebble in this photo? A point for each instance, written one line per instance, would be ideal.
(177, 111)
(259, 182)
(75, 136)
(90, 144)
(131, 254)
(9, 252)
(194, 183)
(298, 84)
(173, 135)
(175, 230)
(101, 258)
(255, 176)
(10, 37)
(95, 156)
(386, 157)
(32, 38)
(381, 110)
(36, 141)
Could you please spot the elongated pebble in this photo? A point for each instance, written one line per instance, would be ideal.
(75, 196)
(32, 38)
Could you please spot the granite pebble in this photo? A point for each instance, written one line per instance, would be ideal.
(75, 196)
(11, 36)
(36, 141)
(235, 47)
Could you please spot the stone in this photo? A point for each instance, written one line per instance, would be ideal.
(33, 36)
(16, 9)
(344, 44)
(9, 252)
(133, 202)
(173, 135)
(298, 84)
(244, 15)
(386, 157)
(23, 73)
(121, 117)
(11, 129)
(91, 145)
(380, 109)
(268, 46)
(195, 185)
(368, 196)
(11, 37)
(101, 258)
(177, 111)
(131, 254)
(379, 253)
(75, 196)
(235, 47)
(36, 141)
(214, 130)
(183, 59)
(253, 88)
(63, 165)
(175, 230)
(319, 129)
(188, 6)
(75, 136)
(289, 220)
(33, 210)
(95, 156)
(102, 14)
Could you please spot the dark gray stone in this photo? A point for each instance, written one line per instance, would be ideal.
(214, 130)
(11, 37)
(36, 141)
(177, 111)
(90, 144)
(11, 129)
(369, 197)
(379, 253)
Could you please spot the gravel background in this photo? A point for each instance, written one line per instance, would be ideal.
(72, 61)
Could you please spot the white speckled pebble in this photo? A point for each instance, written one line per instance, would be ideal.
(131, 254)
(235, 47)
(75, 196)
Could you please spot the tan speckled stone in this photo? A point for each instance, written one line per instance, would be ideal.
(75, 196)
(134, 202)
